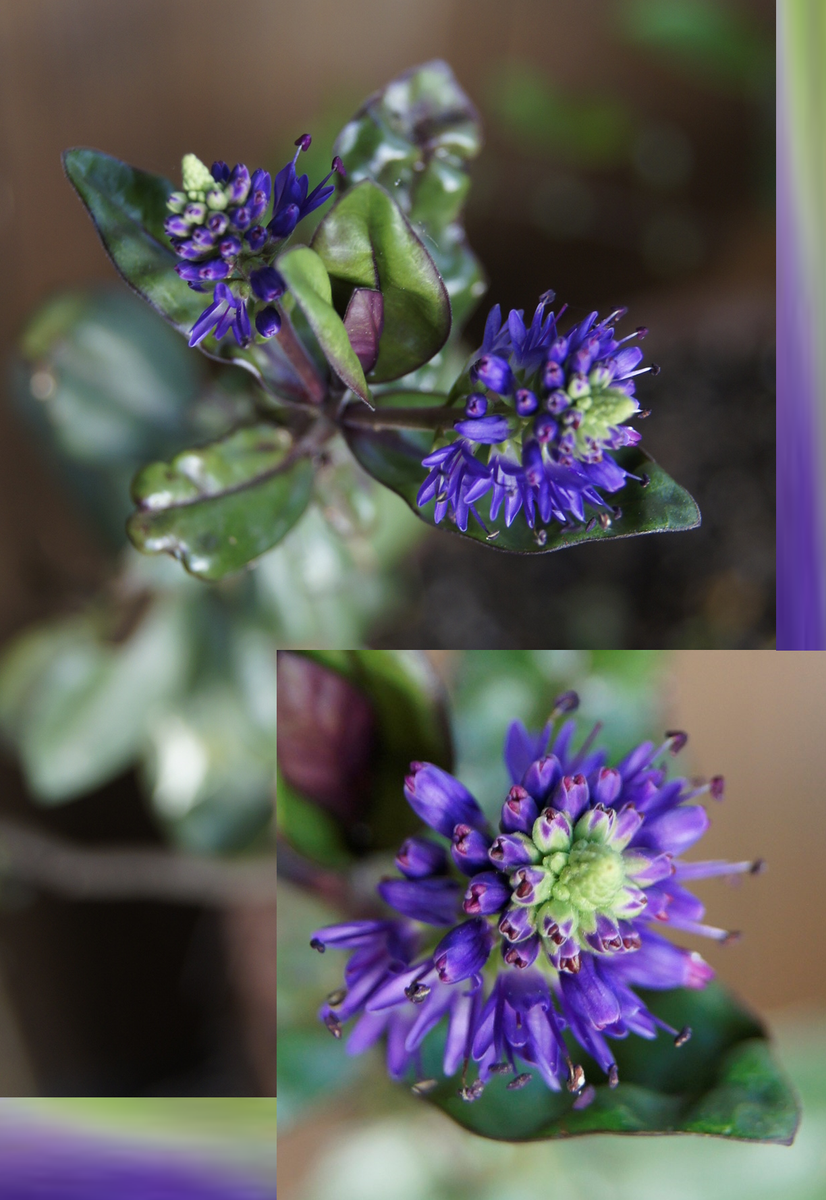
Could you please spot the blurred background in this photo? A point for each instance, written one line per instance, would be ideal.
(629, 160)
(756, 719)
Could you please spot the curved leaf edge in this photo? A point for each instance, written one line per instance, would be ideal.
(576, 537)
(757, 1036)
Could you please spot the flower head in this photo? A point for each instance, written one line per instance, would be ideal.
(545, 410)
(216, 226)
(546, 924)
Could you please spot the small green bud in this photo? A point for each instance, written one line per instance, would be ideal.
(557, 862)
(196, 176)
(216, 200)
(608, 408)
(579, 387)
(176, 202)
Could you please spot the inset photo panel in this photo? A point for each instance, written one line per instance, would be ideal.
(531, 898)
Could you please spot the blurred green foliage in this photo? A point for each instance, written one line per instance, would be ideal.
(159, 671)
(717, 43)
(354, 809)
(583, 130)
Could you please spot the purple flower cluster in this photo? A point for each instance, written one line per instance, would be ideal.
(546, 409)
(217, 226)
(550, 922)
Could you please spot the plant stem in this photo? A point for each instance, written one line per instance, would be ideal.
(399, 418)
(300, 360)
(116, 873)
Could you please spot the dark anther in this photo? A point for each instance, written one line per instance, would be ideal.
(613, 1075)
(683, 1036)
(333, 1024)
(644, 480)
(520, 1081)
(492, 536)
(717, 787)
(732, 936)
(501, 1068)
(576, 1077)
(567, 702)
(642, 414)
(592, 524)
(678, 740)
(318, 945)
(417, 992)
(472, 1091)
(758, 866)
(540, 537)
(617, 511)
(642, 331)
(604, 520)
(655, 369)
(423, 1086)
(337, 997)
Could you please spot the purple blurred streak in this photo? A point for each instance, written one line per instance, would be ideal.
(801, 609)
(42, 1164)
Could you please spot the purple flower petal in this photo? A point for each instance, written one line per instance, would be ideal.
(433, 901)
(441, 801)
(463, 951)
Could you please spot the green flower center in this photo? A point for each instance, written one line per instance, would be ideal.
(579, 883)
(591, 877)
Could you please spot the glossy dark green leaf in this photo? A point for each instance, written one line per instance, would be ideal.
(218, 507)
(366, 242)
(350, 724)
(723, 1082)
(394, 456)
(415, 137)
(128, 208)
(309, 283)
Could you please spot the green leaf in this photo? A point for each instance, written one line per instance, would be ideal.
(75, 698)
(723, 1082)
(394, 457)
(351, 800)
(415, 138)
(128, 208)
(218, 507)
(366, 242)
(309, 283)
